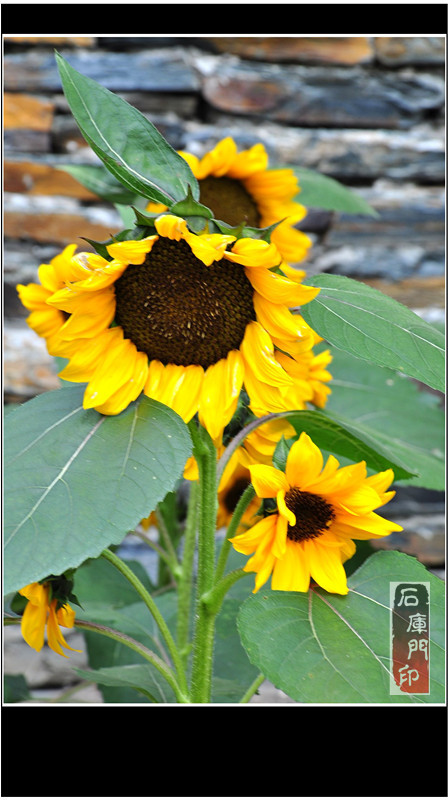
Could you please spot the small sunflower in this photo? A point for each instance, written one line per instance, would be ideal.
(185, 318)
(44, 611)
(319, 511)
(239, 187)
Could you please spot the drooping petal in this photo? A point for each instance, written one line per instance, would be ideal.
(258, 353)
(221, 388)
(267, 481)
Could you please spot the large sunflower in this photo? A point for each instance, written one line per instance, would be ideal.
(239, 187)
(319, 511)
(187, 319)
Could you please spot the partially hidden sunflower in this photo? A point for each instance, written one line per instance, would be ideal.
(43, 611)
(240, 186)
(319, 511)
(186, 318)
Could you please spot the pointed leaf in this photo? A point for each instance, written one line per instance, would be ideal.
(372, 326)
(131, 148)
(321, 191)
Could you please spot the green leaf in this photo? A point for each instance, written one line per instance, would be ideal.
(325, 648)
(140, 677)
(128, 144)
(16, 689)
(98, 180)
(366, 323)
(395, 413)
(340, 436)
(77, 481)
(320, 191)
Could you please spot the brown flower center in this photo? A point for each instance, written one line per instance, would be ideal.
(229, 201)
(179, 311)
(313, 515)
(233, 495)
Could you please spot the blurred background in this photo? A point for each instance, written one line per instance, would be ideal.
(368, 111)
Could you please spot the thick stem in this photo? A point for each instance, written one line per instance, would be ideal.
(185, 576)
(151, 605)
(206, 457)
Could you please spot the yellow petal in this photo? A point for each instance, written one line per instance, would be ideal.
(176, 386)
(131, 388)
(280, 542)
(208, 247)
(132, 252)
(116, 368)
(277, 319)
(267, 481)
(283, 508)
(220, 392)
(254, 253)
(258, 353)
(280, 290)
(35, 615)
(248, 541)
(326, 567)
(171, 227)
(218, 161)
(304, 462)
(291, 573)
(248, 161)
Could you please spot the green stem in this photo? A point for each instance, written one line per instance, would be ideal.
(214, 598)
(243, 503)
(206, 457)
(185, 577)
(252, 689)
(151, 605)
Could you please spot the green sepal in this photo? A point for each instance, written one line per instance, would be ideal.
(189, 207)
(243, 231)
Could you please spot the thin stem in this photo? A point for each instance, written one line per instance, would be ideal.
(252, 689)
(206, 457)
(185, 578)
(134, 645)
(155, 546)
(151, 605)
(242, 505)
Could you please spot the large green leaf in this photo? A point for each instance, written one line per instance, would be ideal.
(371, 326)
(389, 406)
(320, 191)
(325, 648)
(77, 481)
(129, 145)
(340, 436)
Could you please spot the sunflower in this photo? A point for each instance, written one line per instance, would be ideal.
(319, 511)
(44, 610)
(238, 187)
(185, 318)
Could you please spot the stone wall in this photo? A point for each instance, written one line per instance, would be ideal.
(368, 111)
